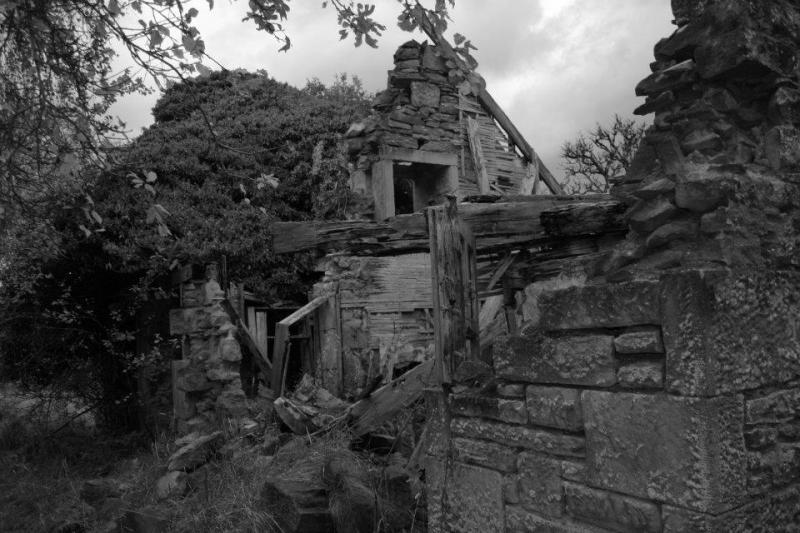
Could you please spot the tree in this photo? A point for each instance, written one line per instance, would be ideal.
(595, 159)
(57, 82)
(71, 304)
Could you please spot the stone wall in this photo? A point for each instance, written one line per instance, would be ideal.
(663, 393)
(207, 385)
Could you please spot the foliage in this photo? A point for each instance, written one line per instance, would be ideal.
(594, 159)
(72, 302)
(57, 81)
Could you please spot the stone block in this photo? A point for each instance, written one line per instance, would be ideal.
(760, 438)
(520, 520)
(540, 440)
(474, 500)
(511, 390)
(701, 190)
(745, 53)
(782, 145)
(777, 512)
(193, 380)
(784, 106)
(775, 467)
(229, 349)
(188, 320)
(539, 482)
(556, 407)
(571, 359)
(672, 232)
(645, 340)
(775, 408)
(683, 451)
(486, 454)
(729, 331)
(612, 511)
(641, 375)
(616, 305)
(574, 471)
(649, 215)
(424, 94)
(503, 409)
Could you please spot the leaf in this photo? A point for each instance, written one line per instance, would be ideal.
(149, 188)
(202, 69)
(96, 216)
(85, 230)
(151, 176)
(241, 188)
(191, 14)
(458, 39)
(113, 8)
(162, 211)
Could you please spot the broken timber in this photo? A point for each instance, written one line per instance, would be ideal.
(245, 338)
(282, 338)
(496, 226)
(369, 413)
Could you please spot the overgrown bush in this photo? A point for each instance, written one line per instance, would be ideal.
(84, 290)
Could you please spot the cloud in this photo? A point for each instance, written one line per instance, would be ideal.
(556, 66)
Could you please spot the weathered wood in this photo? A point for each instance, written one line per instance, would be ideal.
(455, 298)
(419, 156)
(280, 346)
(369, 413)
(383, 189)
(496, 226)
(246, 339)
(501, 269)
(477, 155)
(489, 103)
(296, 497)
(518, 139)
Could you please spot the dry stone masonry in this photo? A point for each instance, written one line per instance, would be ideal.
(661, 394)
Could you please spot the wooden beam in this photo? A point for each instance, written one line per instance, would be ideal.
(477, 155)
(496, 227)
(455, 298)
(517, 138)
(418, 156)
(368, 414)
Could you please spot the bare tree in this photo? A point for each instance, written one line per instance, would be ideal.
(595, 159)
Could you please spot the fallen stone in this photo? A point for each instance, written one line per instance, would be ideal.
(195, 453)
(294, 417)
(171, 485)
(671, 232)
(505, 410)
(94, 491)
(297, 499)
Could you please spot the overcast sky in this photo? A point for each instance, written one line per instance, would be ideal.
(556, 66)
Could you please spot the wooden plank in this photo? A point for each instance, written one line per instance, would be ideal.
(279, 350)
(368, 414)
(383, 189)
(455, 298)
(501, 269)
(477, 155)
(488, 102)
(524, 220)
(305, 310)
(246, 339)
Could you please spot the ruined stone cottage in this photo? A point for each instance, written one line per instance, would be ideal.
(601, 364)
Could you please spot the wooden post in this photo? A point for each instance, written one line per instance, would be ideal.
(455, 298)
(477, 155)
(383, 189)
